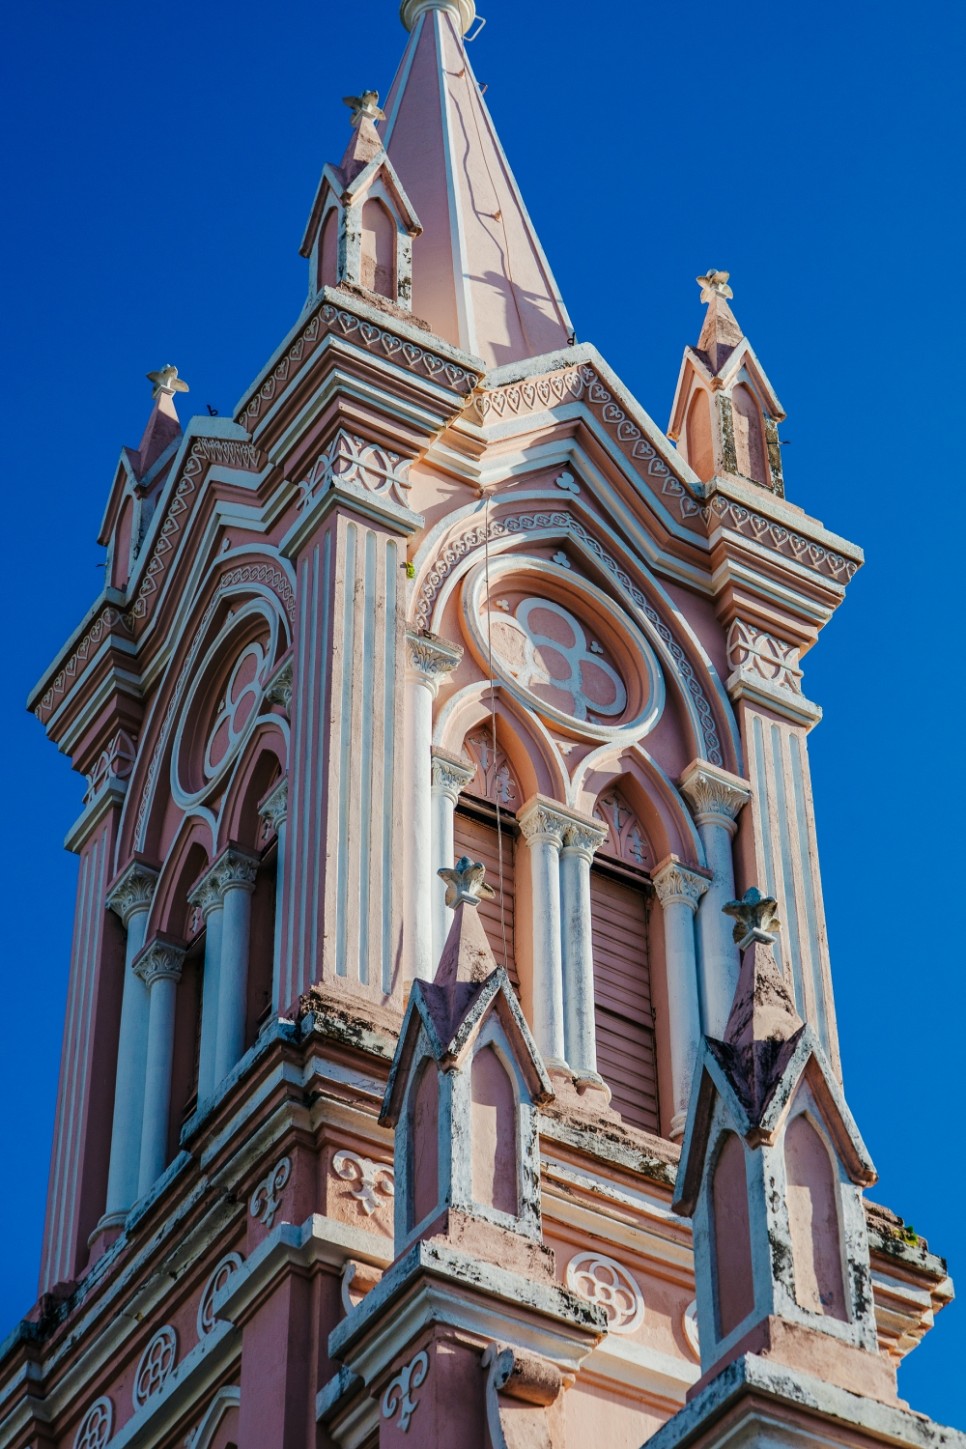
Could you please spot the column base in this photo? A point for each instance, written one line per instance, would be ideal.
(108, 1230)
(678, 1123)
(587, 1095)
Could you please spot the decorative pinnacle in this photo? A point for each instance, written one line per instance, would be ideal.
(465, 884)
(714, 284)
(756, 918)
(166, 382)
(365, 107)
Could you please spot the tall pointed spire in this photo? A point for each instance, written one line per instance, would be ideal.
(480, 278)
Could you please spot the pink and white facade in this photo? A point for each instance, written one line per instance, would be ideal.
(351, 1155)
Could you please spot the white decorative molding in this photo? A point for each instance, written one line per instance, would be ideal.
(678, 884)
(97, 1426)
(786, 542)
(217, 1281)
(371, 1180)
(608, 1283)
(399, 1398)
(155, 1366)
(626, 838)
(267, 1197)
(689, 1323)
(115, 762)
(755, 652)
(202, 1436)
(351, 461)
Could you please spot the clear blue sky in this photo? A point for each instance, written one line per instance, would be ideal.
(159, 166)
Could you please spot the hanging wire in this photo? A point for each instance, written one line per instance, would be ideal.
(489, 670)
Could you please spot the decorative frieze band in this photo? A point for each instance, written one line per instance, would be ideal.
(678, 884)
(753, 650)
(352, 462)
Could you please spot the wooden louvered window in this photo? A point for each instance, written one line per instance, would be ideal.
(624, 1017)
(474, 834)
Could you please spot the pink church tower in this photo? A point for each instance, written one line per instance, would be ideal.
(440, 717)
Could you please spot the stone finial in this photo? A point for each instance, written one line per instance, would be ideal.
(465, 884)
(714, 284)
(365, 107)
(756, 918)
(166, 382)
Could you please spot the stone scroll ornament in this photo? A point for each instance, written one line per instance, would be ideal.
(267, 1197)
(218, 1280)
(369, 1180)
(606, 1282)
(399, 1397)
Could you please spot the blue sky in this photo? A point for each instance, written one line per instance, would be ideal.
(159, 168)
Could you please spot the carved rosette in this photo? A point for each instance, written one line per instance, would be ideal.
(160, 961)
(679, 885)
(155, 1366)
(608, 1283)
(133, 892)
(541, 823)
(450, 777)
(97, 1426)
(274, 808)
(715, 797)
(431, 659)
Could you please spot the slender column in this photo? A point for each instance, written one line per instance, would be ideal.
(429, 660)
(130, 899)
(209, 897)
(159, 967)
(580, 1035)
(543, 829)
(236, 874)
(274, 811)
(679, 890)
(716, 798)
(449, 777)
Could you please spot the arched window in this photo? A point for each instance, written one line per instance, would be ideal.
(813, 1221)
(378, 249)
(475, 834)
(620, 893)
(749, 436)
(700, 448)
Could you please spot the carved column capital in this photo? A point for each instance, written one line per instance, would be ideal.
(279, 689)
(274, 808)
(237, 869)
(584, 838)
(161, 960)
(450, 776)
(544, 820)
(679, 884)
(716, 797)
(430, 659)
(133, 891)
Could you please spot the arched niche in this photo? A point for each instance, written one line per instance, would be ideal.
(378, 242)
(424, 1142)
(533, 758)
(813, 1220)
(734, 1284)
(329, 250)
(749, 435)
(699, 435)
(493, 1133)
(187, 860)
(261, 765)
(656, 801)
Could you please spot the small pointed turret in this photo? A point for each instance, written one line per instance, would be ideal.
(163, 426)
(726, 413)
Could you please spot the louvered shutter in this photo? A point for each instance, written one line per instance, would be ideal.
(622, 989)
(477, 839)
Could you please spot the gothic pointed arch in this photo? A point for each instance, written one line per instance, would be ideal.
(530, 750)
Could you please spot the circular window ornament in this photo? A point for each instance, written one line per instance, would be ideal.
(563, 648)
(608, 1283)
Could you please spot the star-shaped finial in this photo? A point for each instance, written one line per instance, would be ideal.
(166, 382)
(365, 107)
(714, 284)
(465, 884)
(756, 918)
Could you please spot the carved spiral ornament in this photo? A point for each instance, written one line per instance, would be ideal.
(608, 1283)
(218, 1280)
